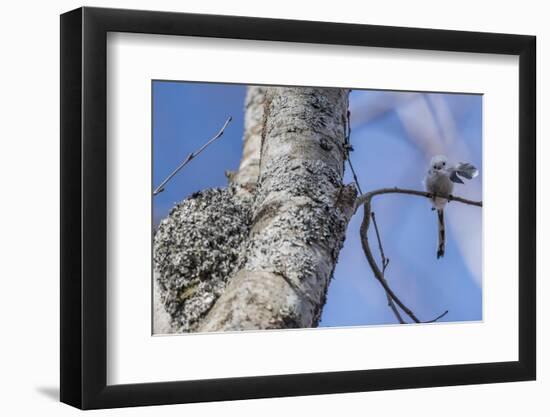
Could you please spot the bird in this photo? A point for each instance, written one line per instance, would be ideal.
(439, 182)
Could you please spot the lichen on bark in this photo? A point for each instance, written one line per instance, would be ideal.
(260, 254)
(196, 249)
(299, 215)
(246, 177)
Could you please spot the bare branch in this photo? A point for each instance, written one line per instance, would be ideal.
(362, 199)
(438, 317)
(191, 156)
(365, 200)
(354, 174)
(348, 148)
(377, 273)
(385, 262)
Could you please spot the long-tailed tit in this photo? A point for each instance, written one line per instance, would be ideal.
(440, 182)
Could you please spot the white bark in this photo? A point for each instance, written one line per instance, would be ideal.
(261, 253)
(162, 322)
(299, 215)
(249, 169)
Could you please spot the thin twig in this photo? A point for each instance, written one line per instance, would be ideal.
(190, 157)
(385, 262)
(347, 148)
(377, 273)
(365, 200)
(438, 317)
(354, 175)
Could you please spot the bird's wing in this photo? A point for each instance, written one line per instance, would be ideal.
(465, 170)
(425, 181)
(455, 178)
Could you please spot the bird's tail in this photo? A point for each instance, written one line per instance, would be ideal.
(441, 233)
(466, 170)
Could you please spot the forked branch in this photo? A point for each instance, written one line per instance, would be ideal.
(365, 200)
(385, 261)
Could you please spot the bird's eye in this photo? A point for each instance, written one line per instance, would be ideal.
(444, 163)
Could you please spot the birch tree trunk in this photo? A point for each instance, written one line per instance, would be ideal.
(246, 177)
(260, 254)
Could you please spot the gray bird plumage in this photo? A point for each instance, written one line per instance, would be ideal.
(465, 170)
(440, 181)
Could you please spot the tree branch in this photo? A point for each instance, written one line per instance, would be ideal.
(190, 157)
(362, 199)
(365, 200)
(348, 148)
(385, 262)
(438, 317)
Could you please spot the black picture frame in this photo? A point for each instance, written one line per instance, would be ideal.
(84, 207)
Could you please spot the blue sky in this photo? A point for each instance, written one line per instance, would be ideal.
(394, 134)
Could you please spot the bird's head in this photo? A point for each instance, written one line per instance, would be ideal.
(438, 163)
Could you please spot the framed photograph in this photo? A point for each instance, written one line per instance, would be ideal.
(258, 208)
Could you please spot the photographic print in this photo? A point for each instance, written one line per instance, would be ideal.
(278, 207)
